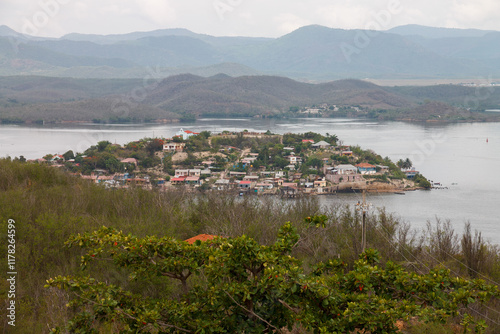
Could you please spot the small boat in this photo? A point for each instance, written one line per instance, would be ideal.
(400, 193)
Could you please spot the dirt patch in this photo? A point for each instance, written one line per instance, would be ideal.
(179, 156)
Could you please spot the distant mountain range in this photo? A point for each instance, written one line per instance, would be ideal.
(312, 53)
(186, 96)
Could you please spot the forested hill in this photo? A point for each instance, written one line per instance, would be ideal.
(311, 53)
(36, 99)
(62, 99)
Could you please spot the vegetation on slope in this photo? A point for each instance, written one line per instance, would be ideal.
(49, 205)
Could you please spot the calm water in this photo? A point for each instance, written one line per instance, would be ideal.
(456, 155)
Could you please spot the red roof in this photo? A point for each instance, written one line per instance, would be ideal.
(201, 237)
(245, 182)
(365, 165)
(178, 179)
(308, 141)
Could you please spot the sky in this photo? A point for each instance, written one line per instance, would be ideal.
(257, 18)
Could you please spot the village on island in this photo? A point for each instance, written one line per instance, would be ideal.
(245, 162)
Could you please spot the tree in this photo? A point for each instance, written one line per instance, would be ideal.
(102, 145)
(407, 163)
(68, 155)
(237, 285)
(154, 146)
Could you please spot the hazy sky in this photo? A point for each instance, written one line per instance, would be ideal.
(270, 18)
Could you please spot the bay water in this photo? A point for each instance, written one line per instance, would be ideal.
(464, 157)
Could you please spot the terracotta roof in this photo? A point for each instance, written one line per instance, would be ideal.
(365, 165)
(201, 237)
(245, 182)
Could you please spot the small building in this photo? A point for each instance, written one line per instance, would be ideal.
(366, 168)
(178, 180)
(185, 134)
(308, 141)
(205, 172)
(319, 183)
(321, 144)
(193, 180)
(294, 159)
(347, 153)
(346, 169)
(264, 186)
(194, 172)
(92, 177)
(221, 184)
(251, 178)
(410, 173)
(57, 158)
(383, 169)
(245, 184)
(237, 174)
(173, 147)
(181, 172)
(132, 161)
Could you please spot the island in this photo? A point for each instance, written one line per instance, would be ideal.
(289, 165)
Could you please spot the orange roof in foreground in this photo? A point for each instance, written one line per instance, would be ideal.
(201, 237)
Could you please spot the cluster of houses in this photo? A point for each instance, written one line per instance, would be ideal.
(257, 180)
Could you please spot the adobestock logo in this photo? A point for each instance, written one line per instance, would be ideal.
(41, 18)
(427, 148)
(225, 6)
(381, 20)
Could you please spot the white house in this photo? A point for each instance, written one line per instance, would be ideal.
(185, 134)
(346, 169)
(173, 147)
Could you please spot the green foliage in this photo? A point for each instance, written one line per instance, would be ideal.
(154, 145)
(69, 155)
(340, 159)
(49, 206)
(421, 181)
(252, 288)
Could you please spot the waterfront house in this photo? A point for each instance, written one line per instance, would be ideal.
(366, 168)
(410, 173)
(319, 183)
(346, 169)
